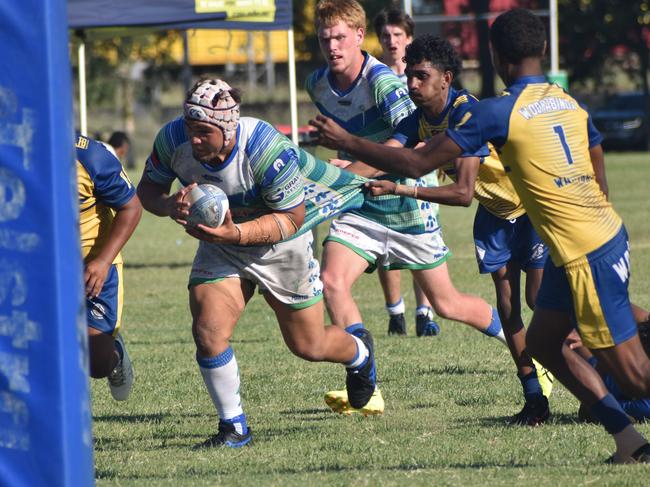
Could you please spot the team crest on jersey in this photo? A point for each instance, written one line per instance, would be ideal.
(98, 311)
(82, 142)
(537, 251)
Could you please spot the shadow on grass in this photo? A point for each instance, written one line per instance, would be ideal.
(157, 265)
(310, 414)
(556, 418)
(462, 370)
(325, 469)
(132, 418)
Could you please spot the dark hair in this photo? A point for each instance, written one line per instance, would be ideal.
(518, 34)
(118, 139)
(393, 16)
(438, 51)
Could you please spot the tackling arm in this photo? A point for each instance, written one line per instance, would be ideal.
(411, 163)
(459, 193)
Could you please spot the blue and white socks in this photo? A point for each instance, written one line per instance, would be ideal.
(221, 377)
(495, 330)
(361, 357)
(397, 308)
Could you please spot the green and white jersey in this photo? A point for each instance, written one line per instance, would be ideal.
(265, 172)
(371, 108)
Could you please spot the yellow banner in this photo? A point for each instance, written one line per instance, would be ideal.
(239, 10)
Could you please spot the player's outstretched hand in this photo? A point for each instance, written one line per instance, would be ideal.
(379, 187)
(179, 207)
(340, 163)
(330, 134)
(226, 233)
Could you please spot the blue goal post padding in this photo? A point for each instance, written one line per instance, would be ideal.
(45, 427)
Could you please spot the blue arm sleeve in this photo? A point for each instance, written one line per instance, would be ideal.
(486, 121)
(112, 185)
(406, 132)
(594, 135)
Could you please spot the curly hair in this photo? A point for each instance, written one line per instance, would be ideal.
(394, 16)
(518, 34)
(438, 51)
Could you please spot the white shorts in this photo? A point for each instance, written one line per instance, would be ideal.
(381, 246)
(288, 270)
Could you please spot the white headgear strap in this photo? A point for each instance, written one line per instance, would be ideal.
(212, 102)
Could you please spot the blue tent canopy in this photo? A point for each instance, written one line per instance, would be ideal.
(181, 14)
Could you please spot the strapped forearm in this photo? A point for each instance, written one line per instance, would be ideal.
(267, 229)
(404, 190)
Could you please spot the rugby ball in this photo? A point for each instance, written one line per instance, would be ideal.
(209, 205)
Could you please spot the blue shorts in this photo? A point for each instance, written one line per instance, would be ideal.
(594, 290)
(104, 313)
(498, 241)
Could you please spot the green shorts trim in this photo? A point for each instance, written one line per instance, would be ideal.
(419, 267)
(306, 304)
(199, 280)
(372, 262)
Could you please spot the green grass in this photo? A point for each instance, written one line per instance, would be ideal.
(447, 397)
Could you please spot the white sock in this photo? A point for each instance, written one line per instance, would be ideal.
(501, 337)
(360, 357)
(221, 377)
(396, 309)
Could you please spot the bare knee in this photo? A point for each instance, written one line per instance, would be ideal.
(445, 307)
(210, 338)
(307, 350)
(102, 355)
(333, 285)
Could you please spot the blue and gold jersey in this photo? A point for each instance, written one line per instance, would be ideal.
(543, 137)
(103, 186)
(492, 188)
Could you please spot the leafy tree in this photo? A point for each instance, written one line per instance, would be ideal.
(597, 35)
(110, 64)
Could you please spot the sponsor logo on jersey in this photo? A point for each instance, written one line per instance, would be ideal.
(622, 267)
(537, 251)
(549, 104)
(279, 164)
(82, 142)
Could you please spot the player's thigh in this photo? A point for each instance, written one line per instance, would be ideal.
(629, 364)
(303, 328)
(342, 265)
(436, 282)
(216, 306)
(533, 282)
(548, 330)
(101, 351)
(506, 284)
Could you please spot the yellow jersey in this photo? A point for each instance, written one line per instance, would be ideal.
(103, 186)
(492, 188)
(543, 138)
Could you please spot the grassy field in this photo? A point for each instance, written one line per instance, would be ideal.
(448, 397)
